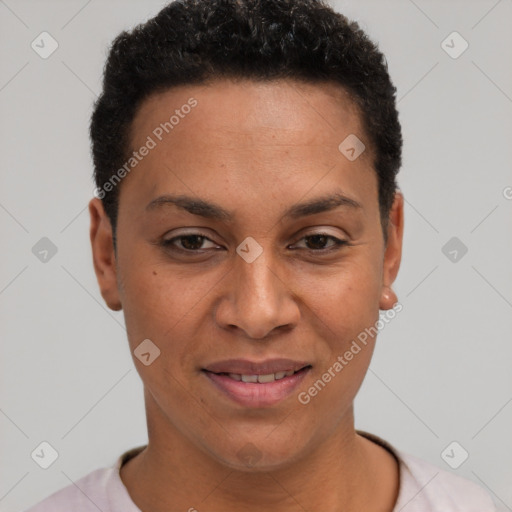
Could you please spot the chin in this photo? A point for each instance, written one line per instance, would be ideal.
(258, 456)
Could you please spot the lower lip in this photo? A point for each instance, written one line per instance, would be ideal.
(254, 394)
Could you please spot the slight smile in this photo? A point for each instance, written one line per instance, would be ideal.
(253, 384)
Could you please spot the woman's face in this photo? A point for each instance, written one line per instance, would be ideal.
(280, 271)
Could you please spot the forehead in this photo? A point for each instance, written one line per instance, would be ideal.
(262, 111)
(278, 136)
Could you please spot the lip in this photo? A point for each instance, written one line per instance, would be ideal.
(252, 394)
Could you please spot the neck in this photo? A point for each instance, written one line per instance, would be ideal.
(344, 472)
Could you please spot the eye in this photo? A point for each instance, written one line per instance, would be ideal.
(192, 242)
(317, 242)
(199, 243)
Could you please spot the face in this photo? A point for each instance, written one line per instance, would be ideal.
(249, 248)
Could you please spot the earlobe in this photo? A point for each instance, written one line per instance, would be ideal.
(393, 252)
(388, 298)
(103, 254)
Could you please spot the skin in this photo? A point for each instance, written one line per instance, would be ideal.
(255, 149)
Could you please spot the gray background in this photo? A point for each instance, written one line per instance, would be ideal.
(441, 370)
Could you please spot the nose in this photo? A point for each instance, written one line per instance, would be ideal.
(257, 300)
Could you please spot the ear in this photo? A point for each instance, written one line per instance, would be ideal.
(393, 251)
(103, 254)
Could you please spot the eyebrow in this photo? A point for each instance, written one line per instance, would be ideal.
(209, 210)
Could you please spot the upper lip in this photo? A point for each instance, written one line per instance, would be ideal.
(246, 367)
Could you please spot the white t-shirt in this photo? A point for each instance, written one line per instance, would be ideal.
(423, 488)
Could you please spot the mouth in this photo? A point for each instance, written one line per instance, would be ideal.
(252, 384)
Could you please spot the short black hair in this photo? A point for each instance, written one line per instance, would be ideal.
(198, 41)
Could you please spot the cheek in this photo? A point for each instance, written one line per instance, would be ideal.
(347, 299)
(350, 305)
(156, 308)
(155, 295)
(162, 305)
(151, 308)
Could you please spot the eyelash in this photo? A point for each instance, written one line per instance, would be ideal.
(169, 244)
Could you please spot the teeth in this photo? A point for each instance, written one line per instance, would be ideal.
(249, 378)
(262, 379)
(266, 378)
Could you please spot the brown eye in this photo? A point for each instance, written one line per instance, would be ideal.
(318, 242)
(192, 243)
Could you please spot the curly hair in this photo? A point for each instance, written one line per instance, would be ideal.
(195, 41)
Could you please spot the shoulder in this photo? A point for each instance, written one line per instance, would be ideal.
(101, 489)
(86, 494)
(424, 486)
(427, 488)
